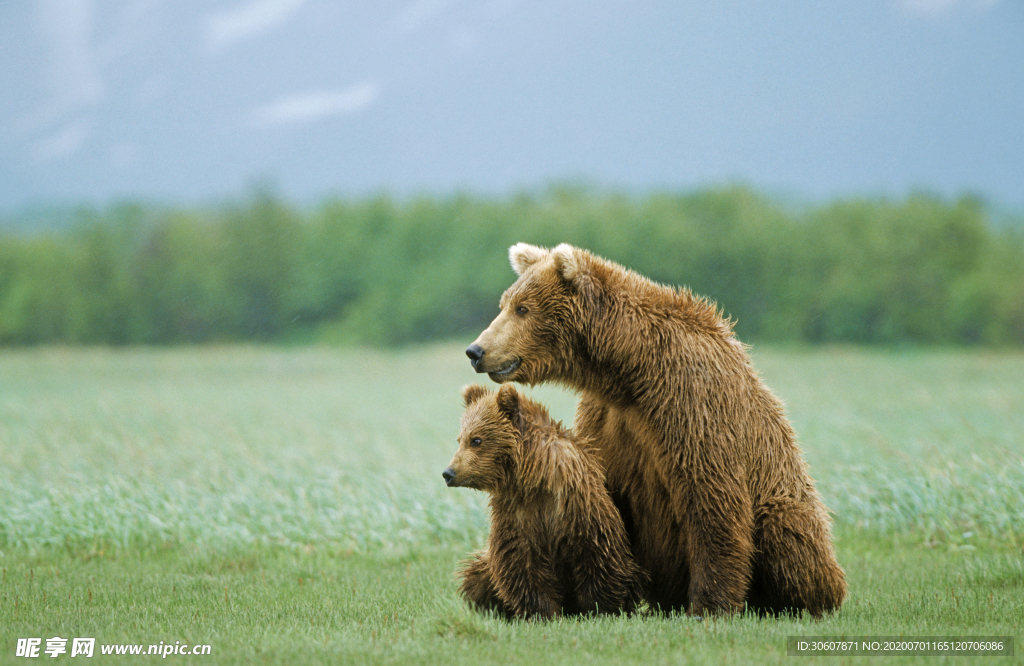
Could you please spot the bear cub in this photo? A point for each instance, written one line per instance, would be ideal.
(557, 544)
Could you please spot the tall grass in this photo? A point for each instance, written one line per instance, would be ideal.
(230, 446)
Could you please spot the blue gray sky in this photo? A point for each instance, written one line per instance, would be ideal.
(192, 101)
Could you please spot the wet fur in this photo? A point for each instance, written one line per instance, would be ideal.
(700, 458)
(557, 544)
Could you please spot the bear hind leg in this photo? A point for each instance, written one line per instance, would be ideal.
(795, 565)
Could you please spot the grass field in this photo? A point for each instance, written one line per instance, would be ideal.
(286, 506)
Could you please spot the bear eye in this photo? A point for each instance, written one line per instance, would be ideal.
(522, 309)
(476, 441)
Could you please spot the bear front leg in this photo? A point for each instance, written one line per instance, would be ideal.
(720, 552)
(478, 585)
(605, 577)
(524, 579)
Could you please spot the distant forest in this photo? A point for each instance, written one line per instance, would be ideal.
(384, 270)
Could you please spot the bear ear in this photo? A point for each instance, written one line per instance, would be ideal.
(472, 393)
(567, 263)
(524, 255)
(574, 265)
(508, 403)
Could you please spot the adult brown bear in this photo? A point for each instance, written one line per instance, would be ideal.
(699, 455)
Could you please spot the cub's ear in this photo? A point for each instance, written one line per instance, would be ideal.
(575, 266)
(508, 403)
(524, 255)
(472, 393)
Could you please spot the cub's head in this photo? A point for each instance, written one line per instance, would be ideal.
(536, 336)
(489, 441)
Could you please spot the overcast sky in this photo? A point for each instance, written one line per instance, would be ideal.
(188, 101)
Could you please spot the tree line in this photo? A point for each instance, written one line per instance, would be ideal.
(383, 270)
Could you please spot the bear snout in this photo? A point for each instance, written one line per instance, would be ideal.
(476, 354)
(449, 476)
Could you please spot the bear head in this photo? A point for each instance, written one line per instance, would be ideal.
(544, 315)
(489, 439)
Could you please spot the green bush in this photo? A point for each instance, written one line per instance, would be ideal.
(382, 270)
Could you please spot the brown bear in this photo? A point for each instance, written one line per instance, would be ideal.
(699, 456)
(557, 544)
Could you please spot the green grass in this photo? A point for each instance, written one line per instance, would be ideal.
(286, 506)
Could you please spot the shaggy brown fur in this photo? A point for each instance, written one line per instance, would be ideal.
(699, 455)
(557, 544)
